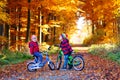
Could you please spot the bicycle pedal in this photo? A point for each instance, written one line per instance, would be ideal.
(37, 67)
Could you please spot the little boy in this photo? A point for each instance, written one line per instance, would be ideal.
(66, 48)
(34, 49)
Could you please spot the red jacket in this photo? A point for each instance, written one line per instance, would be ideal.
(66, 48)
(34, 47)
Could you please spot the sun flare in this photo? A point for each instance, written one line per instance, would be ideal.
(81, 33)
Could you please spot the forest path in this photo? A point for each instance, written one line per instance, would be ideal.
(95, 69)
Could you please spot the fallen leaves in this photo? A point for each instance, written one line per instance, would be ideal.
(95, 69)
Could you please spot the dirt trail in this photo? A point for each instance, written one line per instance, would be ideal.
(95, 69)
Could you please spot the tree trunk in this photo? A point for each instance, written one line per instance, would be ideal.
(4, 29)
(7, 34)
(93, 29)
(28, 24)
(40, 23)
(1, 29)
(54, 35)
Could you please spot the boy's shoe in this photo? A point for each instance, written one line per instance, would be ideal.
(41, 64)
(63, 68)
(70, 67)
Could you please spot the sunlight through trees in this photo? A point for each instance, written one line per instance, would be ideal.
(21, 18)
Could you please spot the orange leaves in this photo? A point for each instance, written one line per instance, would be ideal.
(100, 9)
(3, 15)
(3, 40)
(95, 69)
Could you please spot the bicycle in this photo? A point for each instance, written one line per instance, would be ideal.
(33, 66)
(76, 62)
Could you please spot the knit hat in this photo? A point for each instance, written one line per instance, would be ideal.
(63, 36)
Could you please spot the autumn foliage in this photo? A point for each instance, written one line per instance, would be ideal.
(104, 18)
(26, 17)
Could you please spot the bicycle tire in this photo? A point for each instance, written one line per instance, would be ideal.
(51, 65)
(78, 63)
(31, 64)
(58, 62)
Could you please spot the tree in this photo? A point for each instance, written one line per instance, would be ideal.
(3, 15)
(102, 15)
(28, 22)
(100, 11)
(26, 14)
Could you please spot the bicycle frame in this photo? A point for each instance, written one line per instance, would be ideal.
(70, 58)
(46, 60)
(43, 62)
(60, 55)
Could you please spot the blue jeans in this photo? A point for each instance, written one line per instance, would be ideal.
(38, 56)
(65, 61)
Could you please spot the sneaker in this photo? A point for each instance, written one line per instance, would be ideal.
(63, 68)
(70, 67)
(41, 65)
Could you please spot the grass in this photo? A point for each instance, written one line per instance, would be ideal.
(108, 51)
(114, 56)
(8, 57)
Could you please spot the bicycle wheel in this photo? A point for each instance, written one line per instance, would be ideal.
(30, 67)
(58, 62)
(78, 63)
(51, 65)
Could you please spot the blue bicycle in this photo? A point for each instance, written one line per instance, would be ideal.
(33, 66)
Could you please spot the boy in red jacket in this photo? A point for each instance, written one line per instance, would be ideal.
(34, 49)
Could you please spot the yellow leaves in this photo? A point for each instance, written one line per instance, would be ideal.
(45, 28)
(51, 24)
(2, 4)
(45, 31)
(3, 14)
(61, 5)
(100, 9)
(117, 11)
(62, 8)
(3, 40)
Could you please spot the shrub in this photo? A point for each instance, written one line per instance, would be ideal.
(97, 49)
(4, 62)
(95, 38)
(9, 57)
(108, 51)
(53, 49)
